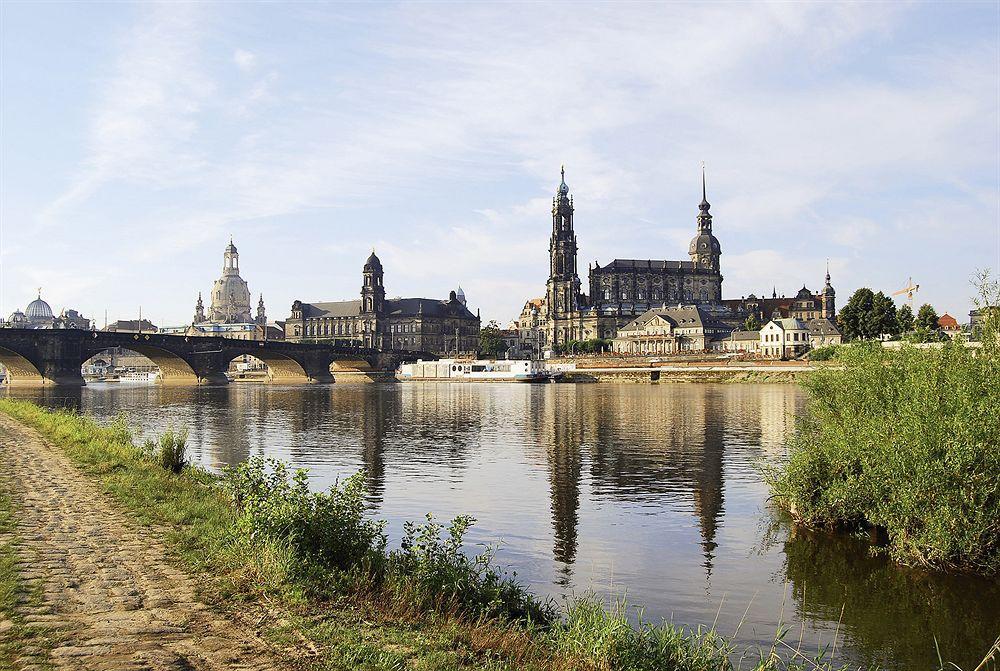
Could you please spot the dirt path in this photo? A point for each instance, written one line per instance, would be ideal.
(106, 583)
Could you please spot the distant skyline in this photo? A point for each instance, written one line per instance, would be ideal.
(136, 138)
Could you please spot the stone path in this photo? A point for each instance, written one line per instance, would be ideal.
(106, 584)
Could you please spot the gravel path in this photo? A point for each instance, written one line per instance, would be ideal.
(106, 584)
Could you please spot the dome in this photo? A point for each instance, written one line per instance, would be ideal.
(804, 293)
(38, 310)
(706, 243)
(373, 262)
(17, 317)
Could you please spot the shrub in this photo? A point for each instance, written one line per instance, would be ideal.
(824, 353)
(434, 572)
(173, 450)
(328, 529)
(904, 441)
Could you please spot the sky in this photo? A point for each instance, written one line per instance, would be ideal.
(135, 139)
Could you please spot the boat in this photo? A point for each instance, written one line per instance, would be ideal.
(138, 377)
(478, 370)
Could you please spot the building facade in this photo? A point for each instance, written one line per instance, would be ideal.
(672, 330)
(622, 289)
(805, 305)
(784, 338)
(416, 324)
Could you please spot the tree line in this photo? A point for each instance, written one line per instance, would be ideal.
(869, 315)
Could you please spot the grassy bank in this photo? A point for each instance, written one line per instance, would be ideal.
(903, 444)
(316, 572)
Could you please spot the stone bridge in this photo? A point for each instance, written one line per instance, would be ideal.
(43, 356)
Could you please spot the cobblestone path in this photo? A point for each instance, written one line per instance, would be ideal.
(106, 584)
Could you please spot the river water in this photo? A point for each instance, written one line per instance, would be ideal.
(647, 490)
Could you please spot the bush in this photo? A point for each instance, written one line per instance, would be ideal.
(824, 353)
(328, 529)
(173, 450)
(905, 441)
(436, 573)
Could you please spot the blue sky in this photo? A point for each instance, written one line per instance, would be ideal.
(136, 139)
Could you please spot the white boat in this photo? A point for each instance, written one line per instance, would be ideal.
(139, 377)
(513, 370)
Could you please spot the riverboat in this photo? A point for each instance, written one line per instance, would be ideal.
(139, 377)
(459, 370)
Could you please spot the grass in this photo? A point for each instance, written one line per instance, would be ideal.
(315, 574)
(903, 444)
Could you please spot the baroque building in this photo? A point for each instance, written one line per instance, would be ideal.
(805, 305)
(416, 324)
(622, 289)
(39, 315)
(229, 314)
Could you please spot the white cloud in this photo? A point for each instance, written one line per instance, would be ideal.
(244, 60)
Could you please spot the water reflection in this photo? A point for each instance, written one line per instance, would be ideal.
(650, 488)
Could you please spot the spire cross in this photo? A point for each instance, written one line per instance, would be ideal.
(703, 192)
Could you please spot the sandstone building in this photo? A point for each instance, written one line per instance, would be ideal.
(416, 324)
(620, 290)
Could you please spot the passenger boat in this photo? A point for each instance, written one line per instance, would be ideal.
(458, 370)
(139, 377)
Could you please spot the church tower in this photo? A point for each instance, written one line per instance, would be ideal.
(563, 286)
(261, 315)
(705, 249)
(372, 301)
(829, 297)
(199, 311)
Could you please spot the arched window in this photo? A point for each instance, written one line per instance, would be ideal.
(298, 331)
(640, 295)
(607, 294)
(624, 295)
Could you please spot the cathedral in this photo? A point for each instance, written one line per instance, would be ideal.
(624, 288)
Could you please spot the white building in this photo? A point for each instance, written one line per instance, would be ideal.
(784, 338)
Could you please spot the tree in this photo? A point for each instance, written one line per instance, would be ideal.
(491, 342)
(927, 318)
(752, 323)
(904, 316)
(854, 315)
(883, 316)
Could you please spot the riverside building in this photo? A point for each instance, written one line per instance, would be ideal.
(416, 324)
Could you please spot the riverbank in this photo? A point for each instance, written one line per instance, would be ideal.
(348, 629)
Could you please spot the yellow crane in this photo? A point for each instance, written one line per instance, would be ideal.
(909, 290)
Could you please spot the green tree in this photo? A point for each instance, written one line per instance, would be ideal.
(491, 342)
(752, 323)
(904, 316)
(883, 316)
(927, 318)
(854, 316)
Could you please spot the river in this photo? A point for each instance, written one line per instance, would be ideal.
(647, 490)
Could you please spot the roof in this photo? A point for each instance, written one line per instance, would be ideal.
(681, 317)
(789, 324)
(644, 264)
(331, 309)
(823, 326)
(394, 307)
(745, 335)
(131, 325)
(946, 321)
(427, 307)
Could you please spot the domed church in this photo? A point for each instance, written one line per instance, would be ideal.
(39, 315)
(230, 295)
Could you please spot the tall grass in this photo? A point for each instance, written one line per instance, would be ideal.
(904, 443)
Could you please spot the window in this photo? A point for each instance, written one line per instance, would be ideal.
(607, 294)
(624, 295)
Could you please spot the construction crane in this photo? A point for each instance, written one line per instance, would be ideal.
(909, 290)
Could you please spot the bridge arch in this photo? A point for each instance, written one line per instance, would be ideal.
(174, 367)
(281, 368)
(20, 371)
